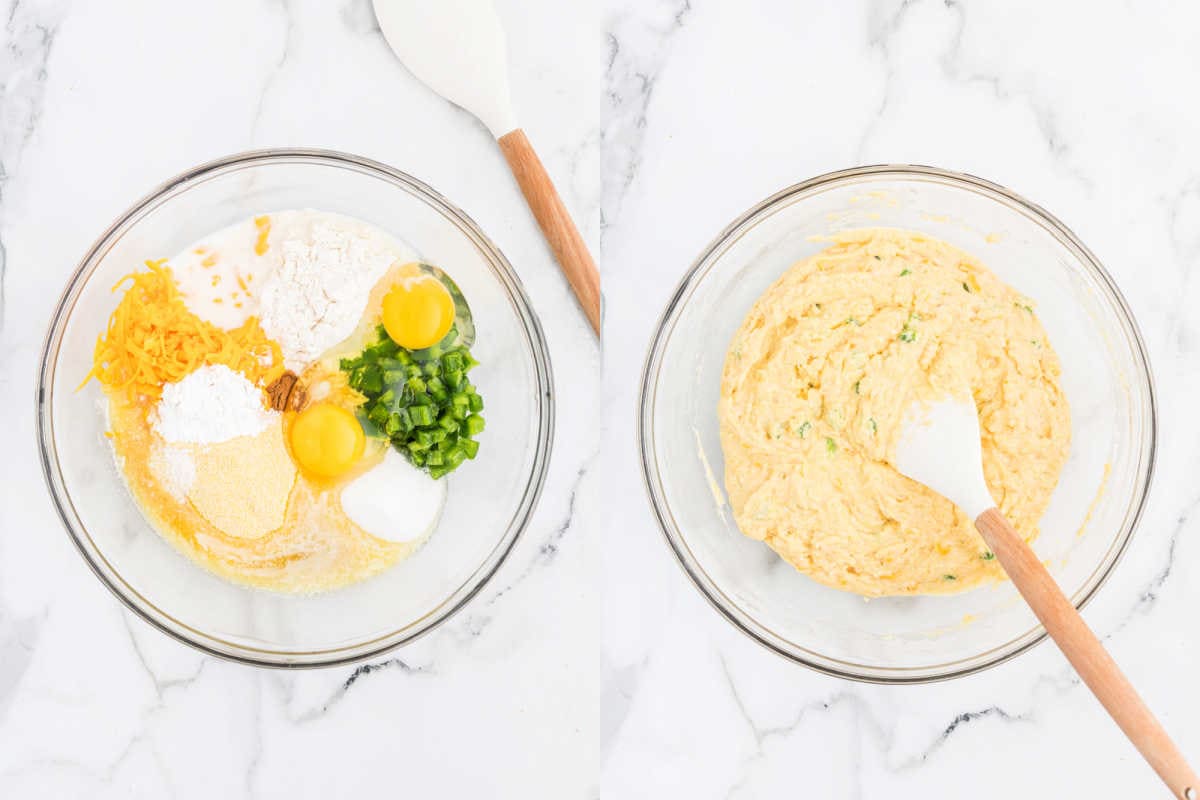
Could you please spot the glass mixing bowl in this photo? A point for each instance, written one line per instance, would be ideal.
(490, 500)
(1105, 375)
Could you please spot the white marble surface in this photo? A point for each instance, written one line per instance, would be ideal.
(101, 102)
(1087, 108)
(589, 665)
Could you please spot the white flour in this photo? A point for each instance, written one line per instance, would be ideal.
(212, 404)
(309, 288)
(318, 295)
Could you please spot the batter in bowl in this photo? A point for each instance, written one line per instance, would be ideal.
(816, 381)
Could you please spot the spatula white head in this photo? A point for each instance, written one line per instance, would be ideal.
(457, 48)
(939, 447)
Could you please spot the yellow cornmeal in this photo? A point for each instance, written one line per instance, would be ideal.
(242, 485)
(314, 548)
(814, 387)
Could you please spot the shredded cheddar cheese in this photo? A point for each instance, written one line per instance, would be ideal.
(153, 339)
(263, 224)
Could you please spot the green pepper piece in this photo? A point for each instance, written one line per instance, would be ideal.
(421, 415)
(455, 456)
(372, 381)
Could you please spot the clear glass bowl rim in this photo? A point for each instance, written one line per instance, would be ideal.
(650, 375)
(142, 606)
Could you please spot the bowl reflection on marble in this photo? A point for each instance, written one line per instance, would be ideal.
(1105, 375)
(490, 502)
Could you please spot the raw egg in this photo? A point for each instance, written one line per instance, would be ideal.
(418, 312)
(326, 440)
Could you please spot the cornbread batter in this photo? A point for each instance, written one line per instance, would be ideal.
(815, 384)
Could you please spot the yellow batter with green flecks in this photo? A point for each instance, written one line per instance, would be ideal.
(815, 384)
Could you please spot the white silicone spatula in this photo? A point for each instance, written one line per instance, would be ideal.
(940, 447)
(457, 48)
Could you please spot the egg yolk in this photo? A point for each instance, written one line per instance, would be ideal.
(418, 312)
(326, 440)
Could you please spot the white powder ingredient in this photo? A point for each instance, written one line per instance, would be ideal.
(319, 293)
(175, 469)
(212, 404)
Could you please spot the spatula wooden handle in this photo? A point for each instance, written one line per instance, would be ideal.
(1081, 647)
(556, 224)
